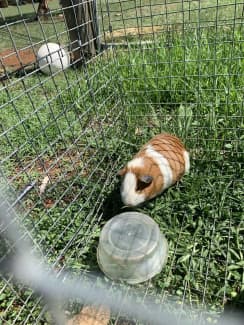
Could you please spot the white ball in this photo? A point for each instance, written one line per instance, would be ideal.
(52, 58)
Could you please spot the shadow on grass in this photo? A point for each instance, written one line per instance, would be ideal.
(6, 256)
(27, 16)
(233, 311)
(112, 205)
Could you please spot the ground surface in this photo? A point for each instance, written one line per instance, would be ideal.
(10, 60)
(81, 126)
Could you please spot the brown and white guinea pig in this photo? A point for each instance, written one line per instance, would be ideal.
(159, 164)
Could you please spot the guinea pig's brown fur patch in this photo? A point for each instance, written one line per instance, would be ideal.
(172, 149)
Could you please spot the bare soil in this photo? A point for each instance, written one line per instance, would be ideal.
(133, 31)
(12, 60)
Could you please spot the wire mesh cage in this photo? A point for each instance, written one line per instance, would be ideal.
(134, 68)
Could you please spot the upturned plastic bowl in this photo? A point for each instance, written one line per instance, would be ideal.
(131, 248)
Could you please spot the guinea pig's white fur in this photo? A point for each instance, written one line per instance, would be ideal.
(159, 164)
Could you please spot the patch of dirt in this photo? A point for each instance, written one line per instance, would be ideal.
(58, 169)
(12, 60)
(90, 315)
(62, 167)
(68, 162)
(48, 203)
(133, 31)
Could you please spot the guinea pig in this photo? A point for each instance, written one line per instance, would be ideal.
(159, 164)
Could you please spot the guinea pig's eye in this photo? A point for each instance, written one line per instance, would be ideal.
(143, 182)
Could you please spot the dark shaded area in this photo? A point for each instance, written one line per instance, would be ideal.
(124, 321)
(29, 17)
(113, 205)
(233, 311)
(7, 256)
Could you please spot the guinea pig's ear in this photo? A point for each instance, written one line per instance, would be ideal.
(122, 172)
(147, 179)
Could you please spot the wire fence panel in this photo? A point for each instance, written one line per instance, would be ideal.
(115, 74)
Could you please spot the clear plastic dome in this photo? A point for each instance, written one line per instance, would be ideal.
(131, 248)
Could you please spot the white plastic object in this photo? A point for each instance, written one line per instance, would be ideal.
(131, 248)
(52, 58)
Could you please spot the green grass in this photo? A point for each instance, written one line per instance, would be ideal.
(189, 84)
(27, 10)
(26, 32)
(120, 15)
(170, 14)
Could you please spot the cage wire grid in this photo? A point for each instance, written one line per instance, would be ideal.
(148, 66)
